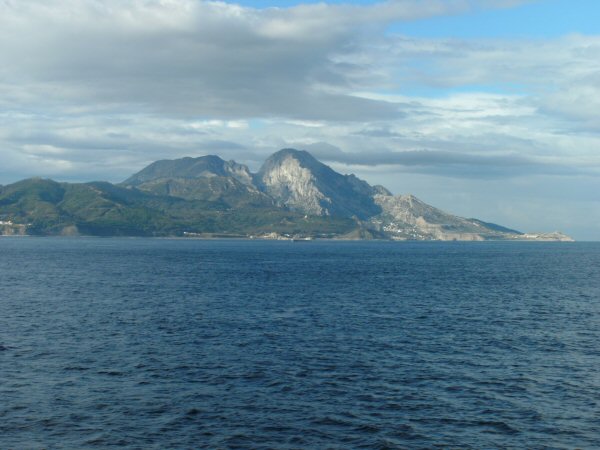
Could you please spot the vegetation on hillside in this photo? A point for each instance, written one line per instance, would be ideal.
(104, 209)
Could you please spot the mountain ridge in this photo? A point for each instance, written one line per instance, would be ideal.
(292, 194)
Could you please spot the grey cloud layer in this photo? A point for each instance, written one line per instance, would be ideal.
(179, 57)
(195, 58)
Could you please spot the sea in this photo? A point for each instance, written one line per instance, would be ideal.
(239, 344)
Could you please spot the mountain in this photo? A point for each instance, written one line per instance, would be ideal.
(292, 194)
(296, 180)
(45, 207)
(206, 178)
(407, 217)
(99, 208)
(191, 168)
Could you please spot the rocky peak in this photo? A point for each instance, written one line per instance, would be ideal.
(288, 176)
(295, 179)
(191, 168)
(381, 190)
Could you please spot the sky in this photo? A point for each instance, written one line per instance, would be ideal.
(483, 108)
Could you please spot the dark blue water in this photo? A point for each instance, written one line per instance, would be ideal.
(141, 343)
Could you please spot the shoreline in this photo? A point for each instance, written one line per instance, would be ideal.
(222, 237)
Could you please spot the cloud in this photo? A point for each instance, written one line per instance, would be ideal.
(196, 58)
(559, 76)
(446, 163)
(171, 58)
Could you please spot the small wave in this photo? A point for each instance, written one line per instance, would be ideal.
(368, 428)
(498, 426)
(332, 421)
(76, 368)
(111, 373)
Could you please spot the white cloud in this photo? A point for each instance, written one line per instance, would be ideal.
(215, 124)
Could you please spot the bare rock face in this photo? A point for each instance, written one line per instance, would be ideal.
(292, 185)
(405, 217)
(296, 180)
(555, 236)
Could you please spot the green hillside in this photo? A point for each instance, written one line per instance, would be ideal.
(104, 209)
